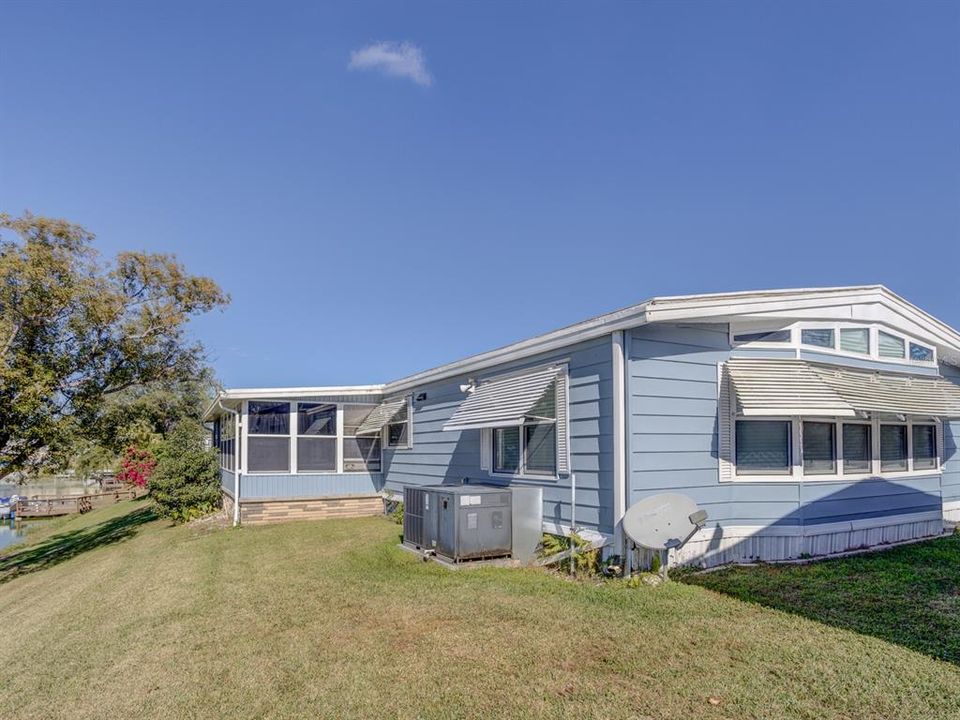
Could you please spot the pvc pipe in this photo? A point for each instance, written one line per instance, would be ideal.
(573, 522)
(619, 442)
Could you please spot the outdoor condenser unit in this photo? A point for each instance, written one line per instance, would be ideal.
(459, 522)
(420, 518)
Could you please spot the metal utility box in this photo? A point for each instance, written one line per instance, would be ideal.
(474, 522)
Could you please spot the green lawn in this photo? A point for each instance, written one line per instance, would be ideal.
(331, 620)
(908, 595)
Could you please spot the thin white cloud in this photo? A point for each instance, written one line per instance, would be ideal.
(399, 59)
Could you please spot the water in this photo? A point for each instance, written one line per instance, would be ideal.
(49, 487)
(11, 533)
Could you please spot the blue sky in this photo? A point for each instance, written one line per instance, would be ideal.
(513, 168)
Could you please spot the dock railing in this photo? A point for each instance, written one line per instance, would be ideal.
(69, 504)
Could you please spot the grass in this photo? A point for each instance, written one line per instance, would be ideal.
(909, 595)
(331, 620)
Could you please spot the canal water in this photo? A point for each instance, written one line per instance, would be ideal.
(11, 533)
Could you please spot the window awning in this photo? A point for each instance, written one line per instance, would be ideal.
(504, 403)
(768, 387)
(384, 413)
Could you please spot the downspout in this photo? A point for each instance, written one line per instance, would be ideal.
(619, 443)
(236, 461)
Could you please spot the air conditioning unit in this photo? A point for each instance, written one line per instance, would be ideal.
(473, 522)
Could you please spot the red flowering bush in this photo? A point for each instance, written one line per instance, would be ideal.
(136, 466)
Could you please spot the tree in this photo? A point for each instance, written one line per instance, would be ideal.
(75, 332)
(186, 480)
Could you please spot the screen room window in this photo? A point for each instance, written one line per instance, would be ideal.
(316, 437)
(361, 453)
(268, 427)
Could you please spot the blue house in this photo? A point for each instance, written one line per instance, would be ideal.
(806, 422)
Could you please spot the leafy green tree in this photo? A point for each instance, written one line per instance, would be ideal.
(186, 480)
(75, 332)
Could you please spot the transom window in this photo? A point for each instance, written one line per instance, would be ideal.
(842, 338)
(834, 448)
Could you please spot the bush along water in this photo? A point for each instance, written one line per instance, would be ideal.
(186, 481)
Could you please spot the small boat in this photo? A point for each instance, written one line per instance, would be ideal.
(8, 506)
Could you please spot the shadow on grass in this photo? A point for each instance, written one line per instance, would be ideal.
(63, 546)
(909, 595)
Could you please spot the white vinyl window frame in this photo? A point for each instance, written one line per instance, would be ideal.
(562, 460)
(523, 472)
(796, 340)
(295, 434)
(797, 473)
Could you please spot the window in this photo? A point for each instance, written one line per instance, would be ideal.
(924, 447)
(819, 448)
(506, 450)
(225, 430)
(855, 340)
(316, 437)
(857, 448)
(763, 447)
(893, 448)
(360, 454)
(920, 353)
(769, 336)
(397, 435)
(268, 425)
(890, 346)
(540, 448)
(817, 337)
(398, 429)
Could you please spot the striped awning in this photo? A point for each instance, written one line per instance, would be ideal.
(386, 412)
(506, 402)
(768, 387)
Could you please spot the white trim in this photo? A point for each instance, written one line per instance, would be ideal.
(619, 438)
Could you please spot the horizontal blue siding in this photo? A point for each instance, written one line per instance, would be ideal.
(673, 442)
(226, 480)
(302, 485)
(449, 457)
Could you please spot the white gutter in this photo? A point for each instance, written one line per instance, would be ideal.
(237, 460)
(619, 440)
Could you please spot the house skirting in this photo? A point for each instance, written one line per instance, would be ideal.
(738, 544)
(267, 510)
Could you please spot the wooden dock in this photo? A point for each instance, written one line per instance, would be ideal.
(68, 505)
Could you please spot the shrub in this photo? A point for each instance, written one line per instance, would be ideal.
(186, 481)
(585, 561)
(136, 466)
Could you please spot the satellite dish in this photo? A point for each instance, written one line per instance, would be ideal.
(661, 522)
